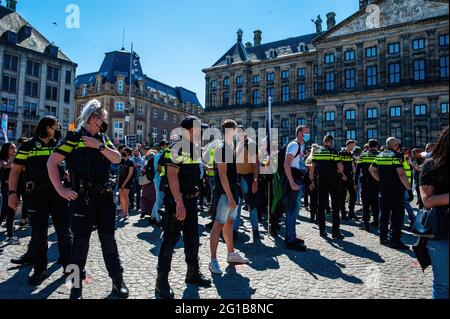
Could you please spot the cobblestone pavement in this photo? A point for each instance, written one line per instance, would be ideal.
(357, 267)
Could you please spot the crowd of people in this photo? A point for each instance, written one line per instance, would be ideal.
(81, 179)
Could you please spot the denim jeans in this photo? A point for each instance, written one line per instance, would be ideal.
(158, 203)
(253, 211)
(409, 209)
(292, 201)
(438, 250)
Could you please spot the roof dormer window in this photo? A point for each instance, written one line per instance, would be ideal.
(301, 47)
(272, 54)
(228, 60)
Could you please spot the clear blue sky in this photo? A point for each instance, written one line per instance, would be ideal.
(175, 39)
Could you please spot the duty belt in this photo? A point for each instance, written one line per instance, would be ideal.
(31, 187)
(87, 189)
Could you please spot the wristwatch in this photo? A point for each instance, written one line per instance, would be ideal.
(102, 147)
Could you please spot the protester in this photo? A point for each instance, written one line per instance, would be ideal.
(125, 181)
(7, 154)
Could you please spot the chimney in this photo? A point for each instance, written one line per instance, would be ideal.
(248, 45)
(11, 4)
(257, 38)
(331, 20)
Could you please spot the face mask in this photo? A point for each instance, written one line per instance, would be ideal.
(104, 127)
(57, 135)
(307, 138)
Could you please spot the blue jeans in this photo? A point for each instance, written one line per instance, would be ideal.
(253, 211)
(158, 203)
(409, 209)
(438, 250)
(292, 202)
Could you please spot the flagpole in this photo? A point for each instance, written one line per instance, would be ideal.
(269, 141)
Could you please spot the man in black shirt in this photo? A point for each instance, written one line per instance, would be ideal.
(348, 186)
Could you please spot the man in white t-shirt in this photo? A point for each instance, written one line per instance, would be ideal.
(294, 184)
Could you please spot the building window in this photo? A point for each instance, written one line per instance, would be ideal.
(10, 62)
(350, 80)
(329, 58)
(349, 55)
(30, 108)
(213, 84)
(394, 48)
(418, 44)
(372, 134)
(301, 47)
(66, 115)
(51, 93)
(256, 97)
(33, 68)
(285, 96)
(301, 122)
(270, 92)
(118, 131)
(226, 82)
(395, 111)
(316, 88)
(371, 73)
(7, 105)
(301, 92)
(443, 40)
(332, 133)
(166, 116)
(228, 60)
(419, 70)
(443, 63)
(155, 113)
(67, 96)
(285, 74)
(421, 136)
(270, 77)
(154, 136)
(51, 110)
(285, 123)
(99, 86)
(31, 88)
(372, 113)
(350, 115)
(9, 84)
(396, 132)
(140, 109)
(315, 69)
(256, 79)
(394, 73)
(213, 100)
(52, 73)
(301, 72)
(226, 98)
(239, 97)
(139, 133)
(120, 87)
(285, 140)
(444, 108)
(120, 106)
(371, 52)
(329, 81)
(83, 91)
(329, 116)
(351, 135)
(239, 80)
(164, 134)
(68, 77)
(420, 110)
(272, 54)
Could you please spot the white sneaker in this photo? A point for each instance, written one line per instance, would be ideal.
(215, 268)
(235, 258)
(13, 241)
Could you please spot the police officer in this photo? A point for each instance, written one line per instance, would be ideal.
(89, 154)
(348, 186)
(388, 170)
(328, 164)
(369, 186)
(42, 198)
(181, 211)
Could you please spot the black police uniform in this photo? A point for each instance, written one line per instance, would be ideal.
(348, 185)
(369, 187)
(326, 159)
(392, 194)
(189, 181)
(89, 173)
(43, 201)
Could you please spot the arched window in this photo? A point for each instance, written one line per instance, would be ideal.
(302, 47)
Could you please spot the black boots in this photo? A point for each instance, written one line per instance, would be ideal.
(120, 289)
(195, 277)
(163, 288)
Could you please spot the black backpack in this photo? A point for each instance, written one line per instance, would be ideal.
(150, 169)
(282, 157)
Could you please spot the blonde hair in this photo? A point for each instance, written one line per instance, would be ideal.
(314, 148)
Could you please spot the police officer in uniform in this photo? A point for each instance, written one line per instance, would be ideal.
(388, 170)
(42, 198)
(328, 164)
(369, 186)
(348, 186)
(182, 163)
(89, 154)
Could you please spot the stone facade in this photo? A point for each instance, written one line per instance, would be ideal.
(362, 80)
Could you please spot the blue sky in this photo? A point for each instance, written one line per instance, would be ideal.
(175, 39)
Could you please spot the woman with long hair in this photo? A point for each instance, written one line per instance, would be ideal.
(7, 154)
(125, 181)
(434, 189)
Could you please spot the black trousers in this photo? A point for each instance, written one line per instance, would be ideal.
(348, 187)
(392, 213)
(370, 194)
(313, 203)
(329, 187)
(43, 204)
(8, 213)
(172, 232)
(99, 211)
(135, 190)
